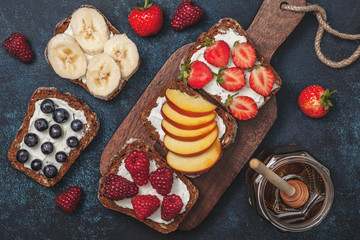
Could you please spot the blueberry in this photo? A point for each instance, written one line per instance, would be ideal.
(55, 131)
(72, 142)
(36, 165)
(31, 139)
(50, 171)
(47, 147)
(22, 155)
(41, 124)
(47, 106)
(60, 157)
(76, 125)
(60, 115)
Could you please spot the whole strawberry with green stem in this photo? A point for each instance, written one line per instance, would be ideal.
(146, 20)
(315, 101)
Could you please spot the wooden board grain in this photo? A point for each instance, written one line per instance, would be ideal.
(270, 28)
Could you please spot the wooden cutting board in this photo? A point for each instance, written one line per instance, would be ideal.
(270, 27)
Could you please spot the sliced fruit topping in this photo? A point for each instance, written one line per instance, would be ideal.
(195, 164)
(137, 163)
(18, 46)
(243, 54)
(145, 205)
(69, 199)
(161, 180)
(217, 53)
(189, 104)
(186, 134)
(261, 80)
(197, 74)
(190, 147)
(171, 207)
(231, 79)
(241, 107)
(118, 188)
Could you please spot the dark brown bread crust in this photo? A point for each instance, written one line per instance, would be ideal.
(230, 123)
(61, 28)
(152, 154)
(90, 133)
(223, 25)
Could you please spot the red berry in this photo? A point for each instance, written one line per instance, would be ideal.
(261, 80)
(171, 207)
(217, 53)
(231, 79)
(315, 102)
(146, 20)
(161, 180)
(197, 74)
(242, 107)
(18, 46)
(137, 163)
(243, 54)
(145, 205)
(118, 188)
(186, 15)
(69, 199)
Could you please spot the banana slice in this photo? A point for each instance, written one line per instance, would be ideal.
(103, 76)
(90, 30)
(66, 57)
(125, 54)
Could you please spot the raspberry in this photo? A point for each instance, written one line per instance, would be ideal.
(118, 188)
(18, 46)
(162, 180)
(171, 207)
(145, 205)
(137, 163)
(186, 15)
(69, 199)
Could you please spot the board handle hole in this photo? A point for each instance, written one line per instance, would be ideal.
(282, 4)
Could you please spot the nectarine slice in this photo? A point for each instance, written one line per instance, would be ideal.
(195, 164)
(187, 103)
(184, 134)
(186, 121)
(190, 147)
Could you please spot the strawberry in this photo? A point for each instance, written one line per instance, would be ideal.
(145, 205)
(146, 20)
(161, 180)
(243, 54)
(186, 15)
(217, 53)
(261, 80)
(18, 46)
(315, 102)
(241, 107)
(231, 79)
(69, 199)
(118, 188)
(197, 74)
(137, 163)
(171, 207)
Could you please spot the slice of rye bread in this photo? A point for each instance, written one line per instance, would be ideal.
(229, 121)
(116, 161)
(61, 28)
(91, 131)
(223, 25)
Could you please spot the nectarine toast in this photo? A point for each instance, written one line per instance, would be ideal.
(168, 195)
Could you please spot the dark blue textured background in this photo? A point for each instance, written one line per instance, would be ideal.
(27, 209)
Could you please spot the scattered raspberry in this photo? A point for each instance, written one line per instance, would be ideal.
(145, 205)
(118, 188)
(137, 163)
(186, 15)
(171, 207)
(161, 180)
(18, 46)
(69, 199)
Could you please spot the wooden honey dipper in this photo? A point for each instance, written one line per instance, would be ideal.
(294, 193)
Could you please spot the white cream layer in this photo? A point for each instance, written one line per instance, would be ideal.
(179, 188)
(43, 136)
